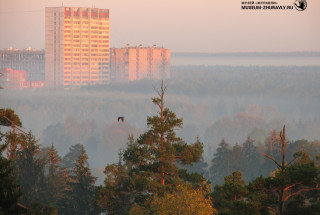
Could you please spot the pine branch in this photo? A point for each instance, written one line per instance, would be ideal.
(274, 210)
(13, 124)
(289, 187)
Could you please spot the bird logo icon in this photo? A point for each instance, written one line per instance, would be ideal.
(300, 5)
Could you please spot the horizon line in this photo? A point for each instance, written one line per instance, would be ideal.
(246, 52)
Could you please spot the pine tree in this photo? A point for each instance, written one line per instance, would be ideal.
(195, 173)
(69, 160)
(10, 192)
(16, 142)
(237, 158)
(151, 160)
(115, 196)
(230, 197)
(55, 181)
(252, 165)
(15, 138)
(82, 191)
(29, 169)
(220, 163)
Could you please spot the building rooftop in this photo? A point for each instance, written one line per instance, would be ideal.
(28, 49)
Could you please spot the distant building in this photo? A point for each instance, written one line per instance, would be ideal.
(17, 79)
(77, 46)
(135, 63)
(30, 60)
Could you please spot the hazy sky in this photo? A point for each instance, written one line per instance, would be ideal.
(180, 25)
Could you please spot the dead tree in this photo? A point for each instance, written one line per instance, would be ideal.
(285, 191)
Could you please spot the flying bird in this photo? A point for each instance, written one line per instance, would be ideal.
(121, 118)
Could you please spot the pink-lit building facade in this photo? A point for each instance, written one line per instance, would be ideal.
(136, 63)
(17, 79)
(76, 46)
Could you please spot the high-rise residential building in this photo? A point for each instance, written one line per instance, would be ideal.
(77, 46)
(135, 63)
(30, 60)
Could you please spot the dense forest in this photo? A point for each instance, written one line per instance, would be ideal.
(157, 171)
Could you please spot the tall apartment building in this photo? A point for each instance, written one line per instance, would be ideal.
(135, 63)
(30, 60)
(77, 46)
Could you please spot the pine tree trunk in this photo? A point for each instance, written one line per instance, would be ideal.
(162, 133)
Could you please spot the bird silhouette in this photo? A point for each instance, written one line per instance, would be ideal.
(121, 118)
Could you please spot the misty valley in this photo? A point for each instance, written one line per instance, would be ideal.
(234, 113)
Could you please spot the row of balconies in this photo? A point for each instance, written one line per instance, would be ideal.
(78, 76)
(68, 39)
(92, 60)
(76, 31)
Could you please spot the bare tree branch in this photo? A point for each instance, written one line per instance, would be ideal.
(165, 89)
(273, 160)
(300, 191)
(291, 161)
(157, 91)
